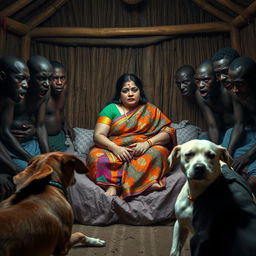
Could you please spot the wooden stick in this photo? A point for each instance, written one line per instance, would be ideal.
(26, 12)
(231, 5)
(125, 42)
(244, 17)
(46, 13)
(14, 7)
(16, 27)
(209, 8)
(25, 46)
(235, 39)
(134, 31)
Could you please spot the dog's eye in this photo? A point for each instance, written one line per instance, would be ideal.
(210, 154)
(189, 154)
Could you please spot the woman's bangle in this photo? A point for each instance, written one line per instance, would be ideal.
(150, 143)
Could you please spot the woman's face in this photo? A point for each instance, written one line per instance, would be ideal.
(130, 95)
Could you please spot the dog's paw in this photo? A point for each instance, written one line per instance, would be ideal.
(91, 241)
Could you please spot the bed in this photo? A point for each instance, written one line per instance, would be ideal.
(92, 207)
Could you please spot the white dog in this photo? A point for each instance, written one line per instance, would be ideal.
(201, 162)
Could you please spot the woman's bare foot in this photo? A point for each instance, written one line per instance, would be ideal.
(154, 187)
(111, 191)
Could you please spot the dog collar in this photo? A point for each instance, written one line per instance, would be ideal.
(58, 185)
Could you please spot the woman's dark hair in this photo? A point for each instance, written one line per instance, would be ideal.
(120, 83)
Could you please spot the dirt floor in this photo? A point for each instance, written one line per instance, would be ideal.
(126, 240)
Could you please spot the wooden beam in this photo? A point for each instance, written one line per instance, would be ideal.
(133, 31)
(14, 7)
(231, 5)
(44, 15)
(25, 46)
(26, 12)
(15, 26)
(245, 16)
(212, 10)
(235, 39)
(123, 42)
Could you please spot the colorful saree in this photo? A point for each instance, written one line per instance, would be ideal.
(141, 172)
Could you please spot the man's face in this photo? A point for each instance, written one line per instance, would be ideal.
(185, 83)
(41, 79)
(17, 78)
(221, 69)
(58, 81)
(204, 80)
(238, 85)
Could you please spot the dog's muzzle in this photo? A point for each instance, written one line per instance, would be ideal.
(199, 171)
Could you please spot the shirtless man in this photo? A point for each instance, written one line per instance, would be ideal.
(55, 123)
(29, 112)
(215, 102)
(14, 77)
(242, 79)
(221, 62)
(184, 77)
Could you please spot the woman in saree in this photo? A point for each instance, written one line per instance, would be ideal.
(133, 140)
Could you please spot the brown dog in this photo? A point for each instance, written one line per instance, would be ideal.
(37, 219)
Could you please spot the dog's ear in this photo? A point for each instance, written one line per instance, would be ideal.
(225, 156)
(35, 177)
(174, 157)
(27, 172)
(75, 163)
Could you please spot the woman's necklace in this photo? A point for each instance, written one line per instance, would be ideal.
(127, 120)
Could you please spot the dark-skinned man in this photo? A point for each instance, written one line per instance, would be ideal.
(216, 103)
(56, 125)
(14, 75)
(242, 79)
(30, 112)
(184, 78)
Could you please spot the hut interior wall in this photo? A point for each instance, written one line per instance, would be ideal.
(93, 70)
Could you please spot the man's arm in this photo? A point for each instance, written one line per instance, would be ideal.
(65, 126)
(240, 162)
(6, 160)
(41, 129)
(7, 137)
(213, 130)
(238, 130)
(68, 130)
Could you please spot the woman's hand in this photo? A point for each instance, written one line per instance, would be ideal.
(140, 148)
(123, 153)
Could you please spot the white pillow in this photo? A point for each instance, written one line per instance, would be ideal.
(186, 131)
(83, 140)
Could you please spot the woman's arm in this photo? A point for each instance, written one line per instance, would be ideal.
(162, 138)
(139, 148)
(101, 139)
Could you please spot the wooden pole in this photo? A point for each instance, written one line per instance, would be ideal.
(25, 46)
(132, 31)
(46, 13)
(123, 42)
(209, 8)
(235, 39)
(16, 27)
(14, 7)
(231, 5)
(244, 17)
